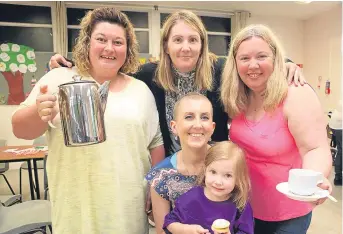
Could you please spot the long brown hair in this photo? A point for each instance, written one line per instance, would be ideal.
(203, 73)
(88, 23)
(227, 150)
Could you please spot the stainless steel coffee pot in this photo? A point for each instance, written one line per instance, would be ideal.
(82, 105)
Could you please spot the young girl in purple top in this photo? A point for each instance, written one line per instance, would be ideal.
(222, 194)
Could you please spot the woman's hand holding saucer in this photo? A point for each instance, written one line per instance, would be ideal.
(325, 185)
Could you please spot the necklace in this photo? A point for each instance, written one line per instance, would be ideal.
(256, 103)
(256, 106)
(185, 166)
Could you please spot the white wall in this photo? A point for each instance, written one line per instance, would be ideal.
(309, 42)
(323, 54)
(290, 33)
(6, 126)
(6, 131)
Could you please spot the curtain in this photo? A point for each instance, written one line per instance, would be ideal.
(59, 27)
(239, 21)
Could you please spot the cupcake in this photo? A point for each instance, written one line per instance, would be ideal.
(220, 226)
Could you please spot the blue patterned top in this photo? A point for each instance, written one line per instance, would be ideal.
(168, 182)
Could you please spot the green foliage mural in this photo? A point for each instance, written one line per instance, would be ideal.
(15, 61)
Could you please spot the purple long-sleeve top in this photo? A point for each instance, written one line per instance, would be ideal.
(193, 207)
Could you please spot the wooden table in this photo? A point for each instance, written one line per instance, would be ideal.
(12, 157)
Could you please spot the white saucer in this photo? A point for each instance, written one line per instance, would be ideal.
(320, 193)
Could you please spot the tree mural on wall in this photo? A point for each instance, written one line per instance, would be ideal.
(15, 61)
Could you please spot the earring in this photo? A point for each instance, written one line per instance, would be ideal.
(175, 137)
(210, 139)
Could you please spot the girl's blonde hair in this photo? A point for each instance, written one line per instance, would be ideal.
(227, 150)
(234, 93)
(88, 23)
(203, 73)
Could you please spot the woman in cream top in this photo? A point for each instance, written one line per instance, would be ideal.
(98, 188)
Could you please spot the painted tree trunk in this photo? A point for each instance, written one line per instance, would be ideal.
(15, 86)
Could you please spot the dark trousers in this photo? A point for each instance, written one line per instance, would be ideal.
(291, 226)
(338, 161)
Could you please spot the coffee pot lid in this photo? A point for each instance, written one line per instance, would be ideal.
(77, 79)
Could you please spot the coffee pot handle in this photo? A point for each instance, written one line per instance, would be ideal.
(51, 125)
(103, 94)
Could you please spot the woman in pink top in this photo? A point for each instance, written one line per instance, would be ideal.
(279, 126)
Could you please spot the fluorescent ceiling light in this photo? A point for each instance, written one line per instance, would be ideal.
(304, 1)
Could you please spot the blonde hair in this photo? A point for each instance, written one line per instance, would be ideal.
(190, 96)
(234, 93)
(203, 73)
(88, 23)
(227, 150)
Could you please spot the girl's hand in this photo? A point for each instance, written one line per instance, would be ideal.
(222, 232)
(295, 74)
(196, 229)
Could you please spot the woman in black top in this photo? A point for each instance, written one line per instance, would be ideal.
(148, 71)
(185, 65)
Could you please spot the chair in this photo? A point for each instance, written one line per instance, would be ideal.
(4, 167)
(9, 200)
(46, 187)
(333, 144)
(40, 164)
(25, 217)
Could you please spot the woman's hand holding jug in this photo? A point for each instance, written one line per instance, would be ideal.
(46, 104)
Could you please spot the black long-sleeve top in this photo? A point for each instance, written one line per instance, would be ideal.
(147, 74)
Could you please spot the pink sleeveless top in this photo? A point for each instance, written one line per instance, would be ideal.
(270, 152)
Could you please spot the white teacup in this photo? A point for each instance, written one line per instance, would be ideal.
(304, 181)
